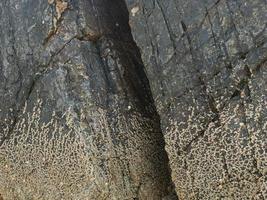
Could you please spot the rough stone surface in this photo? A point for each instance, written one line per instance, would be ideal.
(207, 65)
(77, 119)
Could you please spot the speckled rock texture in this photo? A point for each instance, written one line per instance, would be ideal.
(77, 118)
(88, 114)
(206, 61)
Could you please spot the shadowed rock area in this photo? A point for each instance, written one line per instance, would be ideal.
(206, 63)
(77, 117)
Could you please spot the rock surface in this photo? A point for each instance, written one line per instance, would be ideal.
(77, 117)
(207, 65)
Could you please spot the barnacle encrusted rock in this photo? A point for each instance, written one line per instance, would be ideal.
(78, 119)
(69, 72)
(206, 63)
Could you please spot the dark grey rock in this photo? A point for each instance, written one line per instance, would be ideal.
(206, 63)
(77, 117)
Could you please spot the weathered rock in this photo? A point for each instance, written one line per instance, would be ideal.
(206, 62)
(77, 119)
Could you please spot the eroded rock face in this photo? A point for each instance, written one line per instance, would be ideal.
(77, 120)
(206, 62)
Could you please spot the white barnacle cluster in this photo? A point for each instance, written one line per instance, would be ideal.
(40, 156)
(135, 10)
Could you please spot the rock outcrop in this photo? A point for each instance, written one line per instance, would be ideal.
(77, 117)
(176, 111)
(206, 63)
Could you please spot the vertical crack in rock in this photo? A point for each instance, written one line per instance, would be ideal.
(173, 194)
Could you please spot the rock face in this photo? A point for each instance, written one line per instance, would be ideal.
(206, 63)
(77, 117)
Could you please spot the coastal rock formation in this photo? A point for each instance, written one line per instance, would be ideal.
(207, 66)
(77, 117)
(133, 99)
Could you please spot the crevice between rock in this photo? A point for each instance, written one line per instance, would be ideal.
(172, 193)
